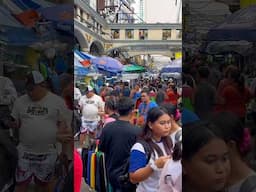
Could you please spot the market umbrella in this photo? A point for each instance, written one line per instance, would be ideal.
(239, 26)
(134, 68)
(108, 64)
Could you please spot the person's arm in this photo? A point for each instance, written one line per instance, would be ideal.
(132, 93)
(143, 173)
(64, 132)
(102, 140)
(80, 104)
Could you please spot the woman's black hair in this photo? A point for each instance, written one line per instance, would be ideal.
(111, 103)
(177, 149)
(231, 128)
(171, 109)
(152, 116)
(195, 136)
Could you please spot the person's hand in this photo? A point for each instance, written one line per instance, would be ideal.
(161, 161)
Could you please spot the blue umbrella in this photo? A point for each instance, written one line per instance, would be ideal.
(108, 64)
(239, 26)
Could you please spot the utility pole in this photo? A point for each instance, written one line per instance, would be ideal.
(179, 10)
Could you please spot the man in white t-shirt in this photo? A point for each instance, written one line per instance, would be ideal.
(38, 115)
(92, 106)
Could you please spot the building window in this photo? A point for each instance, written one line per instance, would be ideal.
(115, 33)
(129, 33)
(179, 33)
(143, 34)
(167, 33)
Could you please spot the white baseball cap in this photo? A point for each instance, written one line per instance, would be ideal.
(34, 77)
(88, 88)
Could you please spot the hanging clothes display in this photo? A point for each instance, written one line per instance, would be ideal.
(96, 174)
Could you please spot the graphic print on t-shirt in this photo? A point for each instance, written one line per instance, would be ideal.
(37, 110)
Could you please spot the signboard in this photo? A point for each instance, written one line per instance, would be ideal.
(246, 3)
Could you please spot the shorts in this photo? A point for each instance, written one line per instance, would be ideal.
(90, 126)
(31, 165)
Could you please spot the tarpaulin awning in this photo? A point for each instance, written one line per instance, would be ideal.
(134, 68)
(239, 26)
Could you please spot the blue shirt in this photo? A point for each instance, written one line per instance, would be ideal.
(144, 108)
(188, 116)
(136, 96)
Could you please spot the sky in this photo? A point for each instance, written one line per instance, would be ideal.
(162, 11)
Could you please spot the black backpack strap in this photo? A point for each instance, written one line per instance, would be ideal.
(249, 185)
(147, 148)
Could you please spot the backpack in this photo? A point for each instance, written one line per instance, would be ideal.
(124, 179)
(249, 185)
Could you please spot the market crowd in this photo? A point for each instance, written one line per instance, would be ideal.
(138, 128)
(220, 147)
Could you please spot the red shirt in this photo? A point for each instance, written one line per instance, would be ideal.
(172, 97)
(235, 101)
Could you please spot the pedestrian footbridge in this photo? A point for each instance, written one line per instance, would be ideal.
(93, 34)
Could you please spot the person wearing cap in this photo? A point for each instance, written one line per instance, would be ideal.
(38, 115)
(91, 106)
